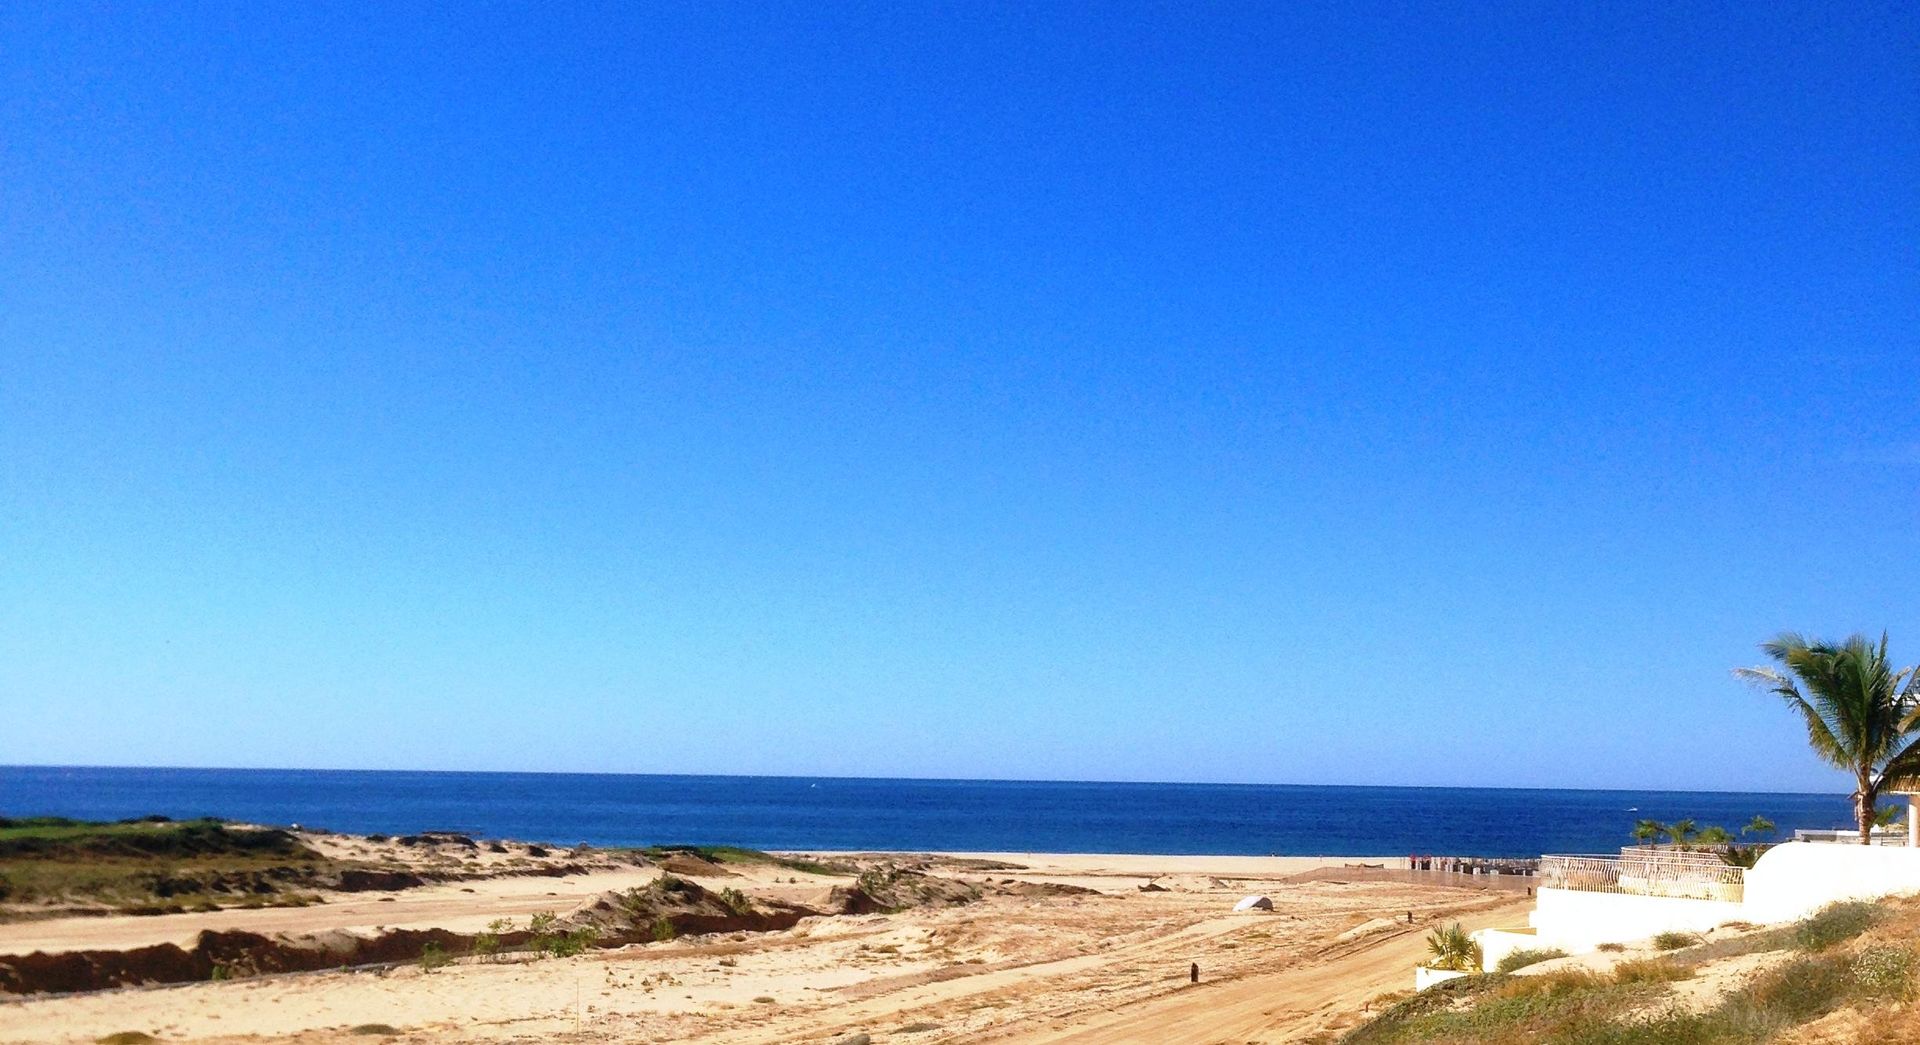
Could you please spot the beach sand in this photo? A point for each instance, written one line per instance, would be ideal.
(1111, 966)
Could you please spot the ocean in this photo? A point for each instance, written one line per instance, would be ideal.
(829, 813)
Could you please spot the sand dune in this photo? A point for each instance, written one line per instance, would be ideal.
(1020, 968)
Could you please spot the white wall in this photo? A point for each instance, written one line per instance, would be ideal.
(1496, 944)
(1797, 878)
(1424, 977)
(1576, 921)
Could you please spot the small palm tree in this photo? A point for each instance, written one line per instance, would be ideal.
(1452, 948)
(1648, 832)
(1682, 831)
(1758, 827)
(1859, 711)
(1887, 816)
(1715, 835)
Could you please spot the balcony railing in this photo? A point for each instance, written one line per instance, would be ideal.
(1647, 872)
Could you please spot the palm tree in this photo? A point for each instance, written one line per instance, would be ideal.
(1682, 831)
(1452, 948)
(1859, 711)
(1715, 835)
(1648, 832)
(1759, 827)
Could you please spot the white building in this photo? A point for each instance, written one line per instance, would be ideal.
(1585, 901)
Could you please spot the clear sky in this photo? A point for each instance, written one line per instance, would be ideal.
(1173, 392)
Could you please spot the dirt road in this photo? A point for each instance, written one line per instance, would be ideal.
(1287, 1006)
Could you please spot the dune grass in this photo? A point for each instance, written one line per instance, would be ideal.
(1525, 956)
(150, 865)
(733, 854)
(1827, 967)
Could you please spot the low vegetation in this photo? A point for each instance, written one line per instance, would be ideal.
(731, 854)
(1848, 961)
(1650, 970)
(152, 865)
(1835, 924)
(1526, 956)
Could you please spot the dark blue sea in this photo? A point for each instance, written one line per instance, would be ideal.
(844, 813)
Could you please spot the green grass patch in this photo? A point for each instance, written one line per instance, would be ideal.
(1834, 924)
(1500, 1008)
(151, 866)
(1885, 972)
(1526, 956)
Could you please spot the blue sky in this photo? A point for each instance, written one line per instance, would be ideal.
(1175, 392)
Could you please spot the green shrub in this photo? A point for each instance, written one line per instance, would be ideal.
(1834, 923)
(1673, 941)
(432, 956)
(1611, 948)
(1803, 988)
(1884, 972)
(545, 932)
(736, 901)
(1526, 956)
(663, 929)
(566, 945)
(668, 883)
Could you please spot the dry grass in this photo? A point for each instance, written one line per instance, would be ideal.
(1650, 970)
(1560, 981)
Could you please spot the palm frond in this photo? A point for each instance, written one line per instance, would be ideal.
(1902, 770)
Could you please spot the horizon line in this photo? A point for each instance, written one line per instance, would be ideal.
(915, 779)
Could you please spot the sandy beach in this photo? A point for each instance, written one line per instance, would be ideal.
(1056, 948)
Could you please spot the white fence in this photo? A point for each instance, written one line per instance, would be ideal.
(1647, 871)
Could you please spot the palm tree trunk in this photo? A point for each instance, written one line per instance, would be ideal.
(1863, 802)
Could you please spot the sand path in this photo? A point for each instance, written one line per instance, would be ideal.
(1284, 1006)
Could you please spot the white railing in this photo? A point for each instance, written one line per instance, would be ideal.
(1647, 872)
(1851, 835)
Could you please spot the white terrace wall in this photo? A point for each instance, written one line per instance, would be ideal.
(1797, 878)
(1577, 921)
(1496, 944)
